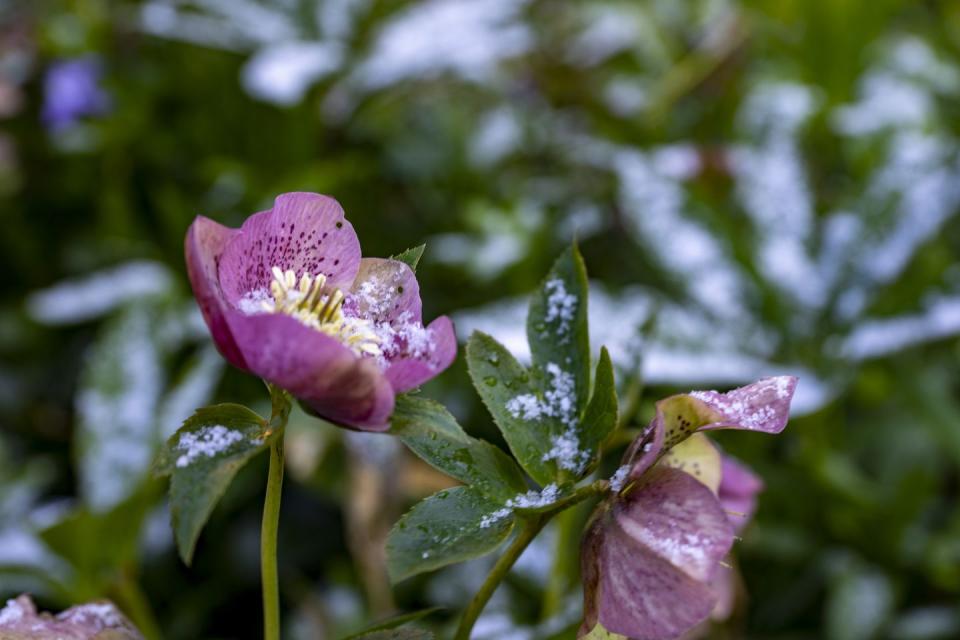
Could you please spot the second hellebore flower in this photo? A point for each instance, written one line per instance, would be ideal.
(288, 298)
(652, 552)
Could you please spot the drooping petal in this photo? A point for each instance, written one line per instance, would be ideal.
(314, 367)
(645, 450)
(738, 491)
(203, 248)
(761, 406)
(412, 371)
(649, 559)
(303, 232)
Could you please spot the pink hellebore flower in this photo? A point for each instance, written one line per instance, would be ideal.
(652, 551)
(288, 298)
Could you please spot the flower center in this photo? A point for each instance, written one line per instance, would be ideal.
(306, 301)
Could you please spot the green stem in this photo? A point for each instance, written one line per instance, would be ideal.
(135, 604)
(268, 543)
(530, 530)
(533, 524)
(563, 563)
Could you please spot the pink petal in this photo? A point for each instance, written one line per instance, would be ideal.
(411, 372)
(316, 368)
(656, 551)
(303, 232)
(204, 245)
(761, 406)
(738, 492)
(385, 291)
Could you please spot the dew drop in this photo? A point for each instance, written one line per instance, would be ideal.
(491, 381)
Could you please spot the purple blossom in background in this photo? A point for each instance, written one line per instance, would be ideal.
(71, 90)
(288, 298)
(652, 551)
(19, 620)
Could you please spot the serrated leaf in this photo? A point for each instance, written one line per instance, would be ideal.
(557, 322)
(450, 526)
(501, 381)
(119, 388)
(600, 418)
(394, 622)
(411, 256)
(434, 435)
(202, 459)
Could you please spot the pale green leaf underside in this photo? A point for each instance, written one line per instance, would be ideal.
(450, 526)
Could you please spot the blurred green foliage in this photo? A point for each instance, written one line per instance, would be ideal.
(773, 184)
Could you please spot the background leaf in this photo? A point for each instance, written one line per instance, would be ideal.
(450, 526)
(116, 405)
(229, 436)
(394, 622)
(433, 434)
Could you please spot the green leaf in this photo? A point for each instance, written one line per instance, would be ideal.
(119, 389)
(202, 459)
(411, 256)
(557, 322)
(500, 380)
(434, 435)
(394, 622)
(450, 526)
(600, 418)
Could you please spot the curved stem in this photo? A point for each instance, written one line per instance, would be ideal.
(530, 530)
(268, 542)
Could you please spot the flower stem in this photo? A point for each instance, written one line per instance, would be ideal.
(268, 542)
(529, 531)
(532, 526)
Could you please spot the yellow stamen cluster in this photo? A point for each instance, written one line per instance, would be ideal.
(307, 301)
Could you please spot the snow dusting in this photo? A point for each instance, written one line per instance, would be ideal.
(529, 500)
(207, 441)
(561, 307)
(619, 478)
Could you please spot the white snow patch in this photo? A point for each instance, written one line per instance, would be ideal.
(208, 441)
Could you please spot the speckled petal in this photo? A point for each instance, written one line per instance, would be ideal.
(410, 372)
(204, 244)
(655, 552)
(315, 368)
(738, 491)
(303, 232)
(385, 291)
(761, 406)
(645, 450)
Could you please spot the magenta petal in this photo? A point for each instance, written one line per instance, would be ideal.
(315, 368)
(738, 491)
(411, 372)
(658, 548)
(645, 450)
(761, 406)
(205, 243)
(303, 232)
